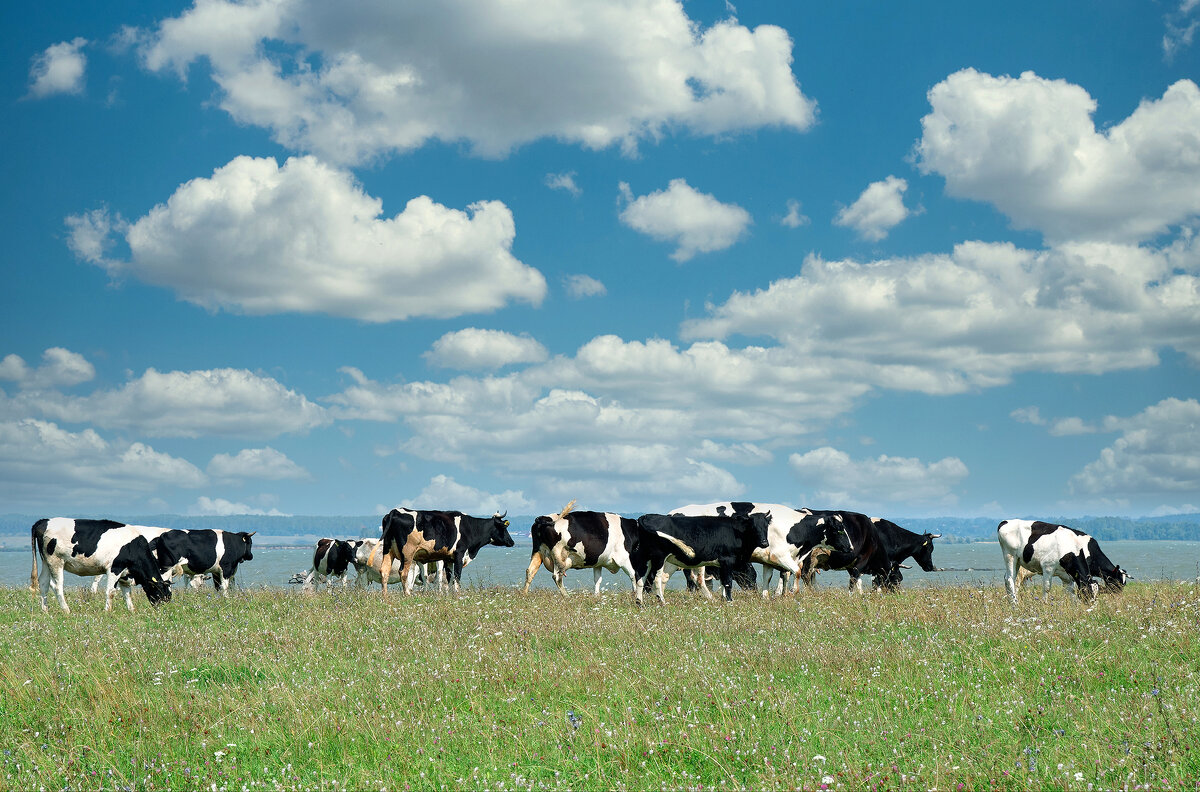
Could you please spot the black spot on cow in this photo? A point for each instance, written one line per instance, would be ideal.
(86, 538)
(591, 530)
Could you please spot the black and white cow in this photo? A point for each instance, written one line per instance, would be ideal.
(791, 536)
(726, 542)
(332, 560)
(1056, 551)
(581, 540)
(417, 536)
(94, 547)
(205, 551)
(878, 548)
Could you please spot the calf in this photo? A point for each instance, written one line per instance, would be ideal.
(94, 547)
(1056, 551)
(205, 551)
(369, 563)
(726, 542)
(332, 560)
(416, 536)
(791, 537)
(581, 540)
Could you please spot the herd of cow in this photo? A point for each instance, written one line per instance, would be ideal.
(730, 537)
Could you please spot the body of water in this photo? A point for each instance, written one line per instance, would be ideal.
(976, 564)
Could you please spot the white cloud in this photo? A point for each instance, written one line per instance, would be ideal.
(878, 210)
(794, 218)
(219, 507)
(263, 239)
(1029, 415)
(187, 404)
(1158, 453)
(841, 482)
(59, 69)
(357, 82)
(948, 323)
(473, 348)
(1029, 146)
(90, 235)
(44, 465)
(256, 463)
(443, 492)
(1181, 29)
(695, 221)
(563, 181)
(580, 286)
(60, 368)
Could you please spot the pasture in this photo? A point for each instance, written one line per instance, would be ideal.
(938, 687)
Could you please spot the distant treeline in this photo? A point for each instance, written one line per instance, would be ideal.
(15, 527)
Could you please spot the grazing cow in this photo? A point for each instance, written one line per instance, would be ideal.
(878, 548)
(726, 542)
(369, 563)
(332, 560)
(205, 551)
(94, 547)
(1056, 551)
(581, 540)
(791, 537)
(418, 536)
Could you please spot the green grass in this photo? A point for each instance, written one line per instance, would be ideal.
(947, 688)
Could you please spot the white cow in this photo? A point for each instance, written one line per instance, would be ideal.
(94, 547)
(1055, 551)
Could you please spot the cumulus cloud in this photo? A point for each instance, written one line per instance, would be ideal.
(474, 348)
(580, 286)
(973, 318)
(187, 404)
(1029, 146)
(60, 368)
(358, 82)
(839, 481)
(1158, 453)
(695, 221)
(563, 181)
(878, 210)
(59, 69)
(42, 464)
(443, 492)
(304, 237)
(256, 463)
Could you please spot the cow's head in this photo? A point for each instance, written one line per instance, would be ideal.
(145, 573)
(500, 535)
(756, 530)
(1115, 579)
(923, 555)
(243, 539)
(835, 535)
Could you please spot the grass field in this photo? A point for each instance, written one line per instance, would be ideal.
(947, 688)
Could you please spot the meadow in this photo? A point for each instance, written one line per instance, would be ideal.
(943, 688)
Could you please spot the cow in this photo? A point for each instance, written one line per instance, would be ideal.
(791, 537)
(878, 548)
(150, 532)
(417, 536)
(94, 547)
(1056, 551)
(726, 542)
(581, 540)
(204, 551)
(332, 560)
(369, 563)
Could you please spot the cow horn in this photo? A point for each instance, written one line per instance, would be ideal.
(251, 534)
(935, 536)
(904, 566)
(567, 508)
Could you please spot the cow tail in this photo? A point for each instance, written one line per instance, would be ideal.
(33, 540)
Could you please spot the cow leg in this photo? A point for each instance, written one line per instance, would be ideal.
(221, 583)
(407, 573)
(856, 582)
(597, 571)
(385, 571)
(535, 561)
(96, 583)
(1010, 575)
(53, 578)
(127, 590)
(110, 591)
(727, 581)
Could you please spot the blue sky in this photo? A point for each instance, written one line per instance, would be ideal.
(286, 257)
